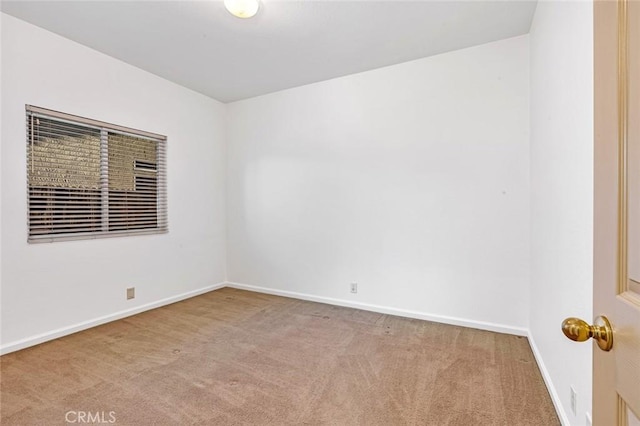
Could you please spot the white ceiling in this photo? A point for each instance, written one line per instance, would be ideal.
(199, 45)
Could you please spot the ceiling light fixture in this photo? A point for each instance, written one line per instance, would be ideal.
(242, 8)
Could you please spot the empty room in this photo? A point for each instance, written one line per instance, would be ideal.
(287, 212)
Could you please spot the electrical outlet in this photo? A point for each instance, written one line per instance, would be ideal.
(131, 293)
(574, 401)
(354, 287)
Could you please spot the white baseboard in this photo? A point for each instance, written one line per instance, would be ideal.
(547, 380)
(463, 322)
(64, 331)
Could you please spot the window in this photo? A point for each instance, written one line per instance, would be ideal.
(89, 179)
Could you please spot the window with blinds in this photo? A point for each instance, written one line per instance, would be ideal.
(89, 179)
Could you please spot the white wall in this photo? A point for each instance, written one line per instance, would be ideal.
(46, 287)
(412, 180)
(562, 194)
(1, 96)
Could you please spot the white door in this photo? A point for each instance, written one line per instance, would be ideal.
(616, 373)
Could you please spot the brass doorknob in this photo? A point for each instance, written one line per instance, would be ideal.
(579, 331)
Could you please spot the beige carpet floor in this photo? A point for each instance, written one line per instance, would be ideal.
(232, 357)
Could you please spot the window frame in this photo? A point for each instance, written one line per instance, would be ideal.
(161, 216)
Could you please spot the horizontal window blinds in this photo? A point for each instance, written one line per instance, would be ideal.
(88, 179)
